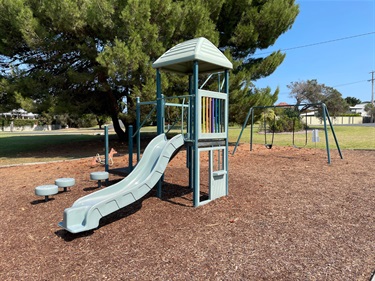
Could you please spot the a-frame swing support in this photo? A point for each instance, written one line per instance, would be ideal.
(325, 117)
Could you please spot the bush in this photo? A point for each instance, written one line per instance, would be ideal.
(286, 124)
(5, 122)
(287, 120)
(24, 122)
(87, 121)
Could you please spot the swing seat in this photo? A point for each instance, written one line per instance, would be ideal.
(269, 146)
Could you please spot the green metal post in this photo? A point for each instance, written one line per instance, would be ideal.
(243, 128)
(138, 122)
(251, 129)
(218, 82)
(130, 147)
(326, 133)
(189, 151)
(106, 151)
(195, 137)
(159, 104)
(333, 132)
(226, 87)
(159, 110)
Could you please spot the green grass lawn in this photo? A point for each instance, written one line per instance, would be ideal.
(349, 137)
(13, 144)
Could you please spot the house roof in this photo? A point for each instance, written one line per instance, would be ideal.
(180, 58)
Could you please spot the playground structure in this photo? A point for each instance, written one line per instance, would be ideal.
(325, 117)
(206, 132)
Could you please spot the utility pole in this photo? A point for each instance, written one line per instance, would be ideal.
(372, 95)
(372, 86)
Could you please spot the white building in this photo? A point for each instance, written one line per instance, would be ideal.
(360, 108)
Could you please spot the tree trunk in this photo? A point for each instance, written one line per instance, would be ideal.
(113, 107)
(122, 135)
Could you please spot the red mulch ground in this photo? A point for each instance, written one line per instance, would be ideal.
(289, 216)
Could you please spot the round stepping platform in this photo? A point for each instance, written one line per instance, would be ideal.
(46, 190)
(99, 176)
(65, 182)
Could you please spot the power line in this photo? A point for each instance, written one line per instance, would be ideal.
(320, 43)
(351, 83)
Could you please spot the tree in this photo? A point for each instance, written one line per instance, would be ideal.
(86, 56)
(334, 101)
(352, 101)
(370, 109)
(241, 103)
(311, 92)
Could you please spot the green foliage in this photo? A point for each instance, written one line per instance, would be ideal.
(350, 114)
(352, 101)
(370, 109)
(240, 103)
(311, 92)
(24, 122)
(87, 121)
(5, 122)
(287, 120)
(45, 119)
(84, 57)
(79, 121)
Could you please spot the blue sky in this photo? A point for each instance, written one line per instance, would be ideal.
(342, 64)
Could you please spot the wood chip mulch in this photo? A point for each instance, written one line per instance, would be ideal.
(289, 216)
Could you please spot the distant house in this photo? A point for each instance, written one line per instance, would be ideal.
(283, 104)
(20, 114)
(360, 108)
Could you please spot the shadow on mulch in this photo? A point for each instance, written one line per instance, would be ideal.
(171, 191)
(111, 218)
(40, 201)
(104, 185)
(69, 237)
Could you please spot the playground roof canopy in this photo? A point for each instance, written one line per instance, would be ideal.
(180, 58)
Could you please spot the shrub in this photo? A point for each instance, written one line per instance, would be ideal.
(287, 121)
(5, 122)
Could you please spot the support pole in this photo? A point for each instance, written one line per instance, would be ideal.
(138, 121)
(130, 147)
(159, 110)
(159, 103)
(333, 132)
(226, 87)
(251, 129)
(195, 170)
(243, 128)
(106, 151)
(326, 133)
(189, 150)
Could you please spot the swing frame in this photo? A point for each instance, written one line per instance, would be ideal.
(306, 105)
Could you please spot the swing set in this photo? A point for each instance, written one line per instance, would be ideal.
(273, 129)
(269, 145)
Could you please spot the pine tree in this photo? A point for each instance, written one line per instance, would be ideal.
(86, 56)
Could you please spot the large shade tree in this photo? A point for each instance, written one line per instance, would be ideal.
(312, 92)
(88, 56)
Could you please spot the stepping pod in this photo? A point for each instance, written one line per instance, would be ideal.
(99, 176)
(46, 190)
(65, 182)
